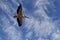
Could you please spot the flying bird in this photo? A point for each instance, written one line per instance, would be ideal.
(19, 15)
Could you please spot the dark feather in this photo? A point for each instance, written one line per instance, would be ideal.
(19, 21)
(19, 9)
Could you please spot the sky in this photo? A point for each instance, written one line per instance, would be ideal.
(43, 22)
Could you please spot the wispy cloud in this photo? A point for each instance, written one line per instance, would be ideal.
(11, 31)
(8, 28)
(44, 27)
(56, 36)
(15, 2)
(4, 6)
(29, 35)
(56, 33)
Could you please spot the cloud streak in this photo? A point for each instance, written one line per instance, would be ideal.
(39, 28)
(44, 27)
(9, 29)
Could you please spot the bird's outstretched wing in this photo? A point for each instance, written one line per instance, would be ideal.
(19, 9)
(19, 21)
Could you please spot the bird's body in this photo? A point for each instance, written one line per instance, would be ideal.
(19, 15)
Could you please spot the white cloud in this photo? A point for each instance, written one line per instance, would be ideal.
(43, 27)
(42, 2)
(4, 6)
(15, 2)
(40, 38)
(11, 31)
(56, 33)
(8, 28)
(29, 35)
(46, 27)
(29, 22)
(55, 36)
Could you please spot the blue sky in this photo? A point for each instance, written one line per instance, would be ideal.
(43, 22)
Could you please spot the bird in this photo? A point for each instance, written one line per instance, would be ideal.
(19, 15)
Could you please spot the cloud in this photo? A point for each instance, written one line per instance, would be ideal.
(44, 27)
(56, 36)
(40, 38)
(28, 35)
(11, 31)
(4, 6)
(15, 2)
(9, 28)
(42, 3)
(56, 33)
